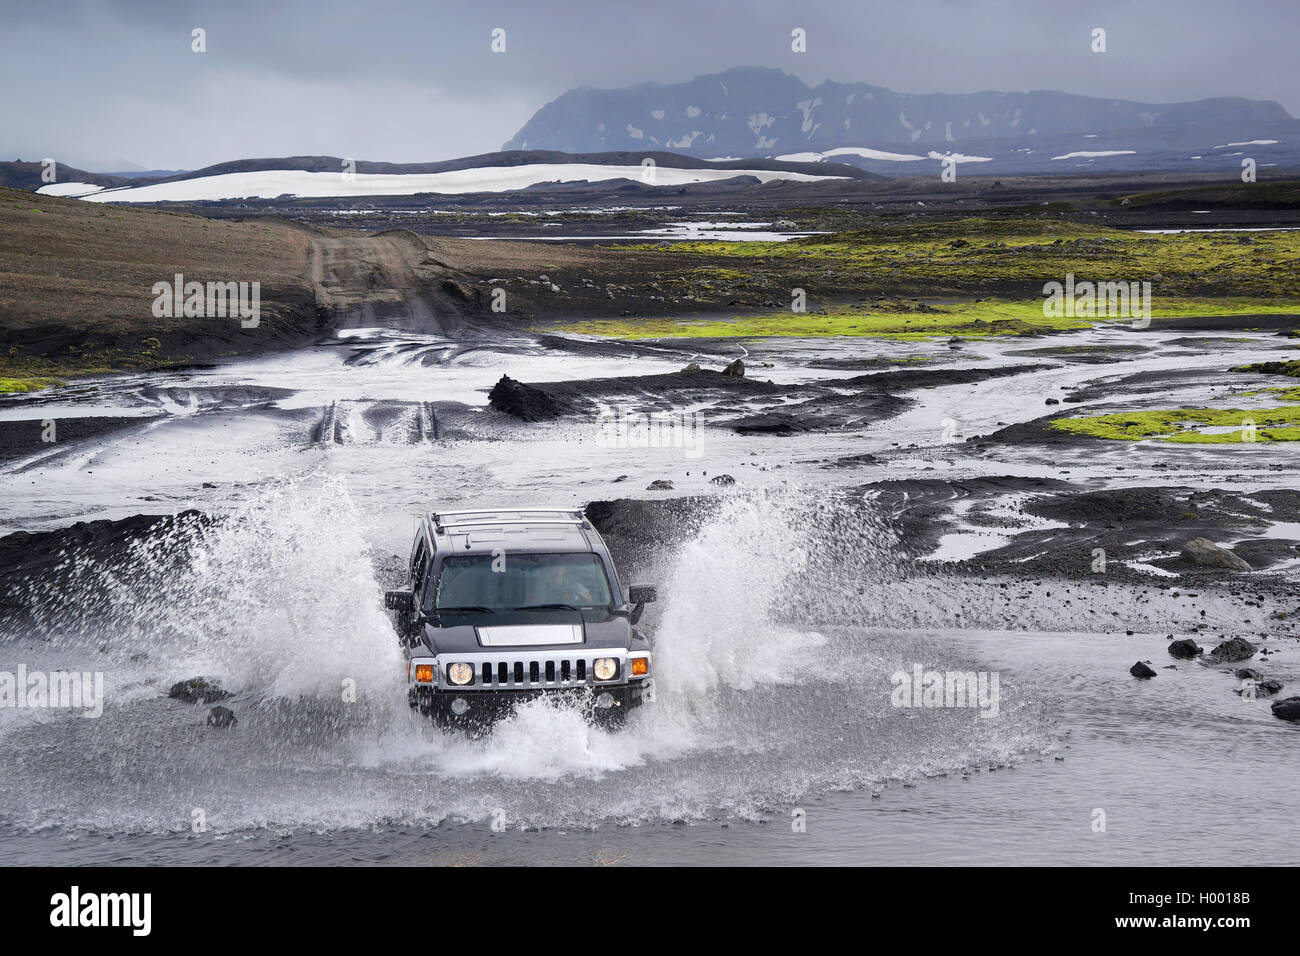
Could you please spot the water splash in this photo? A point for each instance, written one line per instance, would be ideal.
(276, 599)
(773, 686)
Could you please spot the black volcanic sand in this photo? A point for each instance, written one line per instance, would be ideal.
(1085, 354)
(836, 403)
(19, 439)
(39, 564)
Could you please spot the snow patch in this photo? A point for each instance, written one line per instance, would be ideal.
(1092, 154)
(270, 184)
(69, 190)
(861, 151)
(960, 157)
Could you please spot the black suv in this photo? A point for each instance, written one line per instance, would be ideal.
(503, 606)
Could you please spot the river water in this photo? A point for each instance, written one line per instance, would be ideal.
(774, 737)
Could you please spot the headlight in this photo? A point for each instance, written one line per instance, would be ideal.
(460, 673)
(605, 668)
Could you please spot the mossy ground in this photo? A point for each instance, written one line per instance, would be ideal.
(903, 320)
(1183, 425)
(23, 373)
(993, 270)
(965, 255)
(9, 386)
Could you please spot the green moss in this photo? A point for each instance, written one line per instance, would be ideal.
(975, 256)
(9, 386)
(899, 320)
(1291, 368)
(1182, 425)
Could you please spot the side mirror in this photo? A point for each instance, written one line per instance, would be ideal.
(403, 600)
(640, 595)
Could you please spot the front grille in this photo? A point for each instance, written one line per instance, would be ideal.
(550, 672)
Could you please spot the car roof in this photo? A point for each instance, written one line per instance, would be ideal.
(527, 529)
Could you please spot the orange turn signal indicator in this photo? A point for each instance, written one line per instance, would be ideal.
(640, 666)
(424, 673)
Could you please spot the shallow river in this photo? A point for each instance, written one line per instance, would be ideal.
(773, 738)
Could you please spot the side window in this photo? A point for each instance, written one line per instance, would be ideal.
(419, 566)
(424, 595)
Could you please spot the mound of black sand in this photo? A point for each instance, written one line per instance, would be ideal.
(526, 402)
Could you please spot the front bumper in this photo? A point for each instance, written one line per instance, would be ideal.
(608, 703)
(502, 679)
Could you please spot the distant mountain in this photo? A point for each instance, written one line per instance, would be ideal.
(752, 112)
(31, 176)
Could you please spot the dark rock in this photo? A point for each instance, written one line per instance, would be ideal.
(736, 369)
(722, 480)
(1053, 401)
(1141, 671)
(1205, 553)
(1288, 709)
(1249, 673)
(221, 717)
(1186, 648)
(198, 690)
(1237, 649)
(692, 367)
(1260, 688)
(659, 484)
(526, 402)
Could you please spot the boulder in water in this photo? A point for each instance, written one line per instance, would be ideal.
(1185, 649)
(1141, 671)
(198, 690)
(1237, 649)
(1288, 709)
(1206, 554)
(222, 717)
(1261, 688)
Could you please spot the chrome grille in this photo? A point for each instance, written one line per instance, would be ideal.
(553, 670)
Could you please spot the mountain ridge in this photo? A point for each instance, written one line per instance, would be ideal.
(749, 112)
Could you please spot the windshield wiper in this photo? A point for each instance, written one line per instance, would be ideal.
(549, 607)
(466, 609)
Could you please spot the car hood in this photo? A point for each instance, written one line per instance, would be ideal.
(520, 638)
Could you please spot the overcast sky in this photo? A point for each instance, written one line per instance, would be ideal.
(113, 84)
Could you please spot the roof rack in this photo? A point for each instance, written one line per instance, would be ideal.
(484, 518)
(493, 511)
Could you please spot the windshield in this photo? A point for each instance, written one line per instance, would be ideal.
(509, 582)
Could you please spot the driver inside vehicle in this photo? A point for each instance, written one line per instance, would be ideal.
(561, 584)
